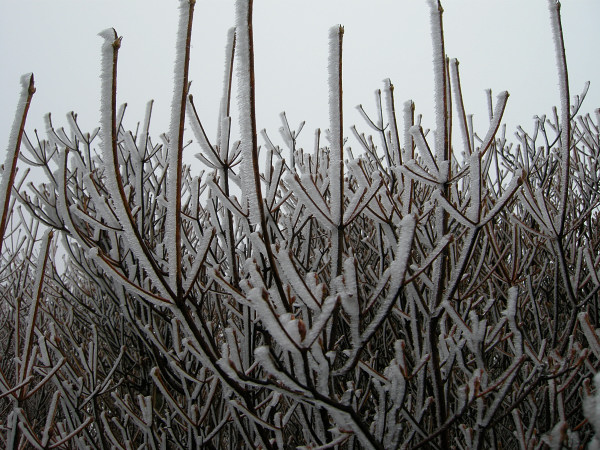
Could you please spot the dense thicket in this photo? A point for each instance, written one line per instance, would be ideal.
(436, 289)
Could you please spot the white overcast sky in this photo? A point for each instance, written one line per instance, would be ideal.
(501, 44)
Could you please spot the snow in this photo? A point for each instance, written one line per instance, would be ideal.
(144, 135)
(275, 325)
(458, 100)
(74, 128)
(12, 151)
(412, 169)
(408, 118)
(202, 139)
(451, 210)
(263, 356)
(495, 122)
(251, 187)
(590, 334)
(294, 327)
(362, 197)
(40, 268)
(224, 139)
(295, 323)
(565, 119)
(125, 283)
(299, 286)
(439, 73)
(222, 131)
(513, 185)
(112, 180)
(390, 113)
(306, 191)
(106, 78)
(591, 409)
(329, 305)
(233, 350)
(510, 313)
(419, 138)
(350, 298)
(563, 79)
(336, 168)
(397, 270)
(474, 209)
(199, 258)
(175, 144)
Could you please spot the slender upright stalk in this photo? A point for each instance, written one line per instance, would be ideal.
(14, 147)
(336, 161)
(223, 142)
(175, 172)
(26, 356)
(442, 150)
(110, 154)
(247, 103)
(565, 111)
(565, 158)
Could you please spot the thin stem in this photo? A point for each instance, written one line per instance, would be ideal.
(13, 154)
(176, 158)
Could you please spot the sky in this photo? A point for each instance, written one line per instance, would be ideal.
(501, 45)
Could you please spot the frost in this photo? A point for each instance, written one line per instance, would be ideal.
(114, 184)
(251, 186)
(555, 22)
(293, 327)
(336, 168)
(395, 299)
(12, 151)
(495, 123)
(223, 130)
(319, 324)
(439, 74)
(106, 78)
(565, 108)
(276, 325)
(424, 150)
(473, 213)
(591, 409)
(350, 296)
(263, 356)
(306, 190)
(175, 142)
(307, 294)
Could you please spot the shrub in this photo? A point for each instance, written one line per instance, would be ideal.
(429, 292)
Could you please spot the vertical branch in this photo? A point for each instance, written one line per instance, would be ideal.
(223, 143)
(12, 154)
(464, 128)
(247, 100)
(336, 161)
(448, 104)
(565, 148)
(25, 354)
(441, 142)
(249, 143)
(33, 310)
(224, 127)
(395, 137)
(565, 119)
(174, 176)
(227, 83)
(439, 274)
(409, 154)
(143, 146)
(440, 82)
(110, 154)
